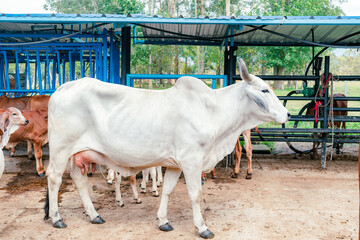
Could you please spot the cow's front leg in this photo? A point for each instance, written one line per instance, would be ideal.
(81, 183)
(154, 186)
(118, 198)
(29, 150)
(237, 159)
(145, 179)
(170, 179)
(110, 177)
(193, 183)
(54, 181)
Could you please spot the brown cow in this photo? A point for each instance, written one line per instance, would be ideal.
(338, 125)
(38, 102)
(36, 132)
(248, 147)
(18, 102)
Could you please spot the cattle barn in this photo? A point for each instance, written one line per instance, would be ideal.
(100, 45)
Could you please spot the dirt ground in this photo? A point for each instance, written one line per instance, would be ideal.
(289, 197)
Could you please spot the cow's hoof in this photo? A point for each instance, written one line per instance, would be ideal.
(89, 174)
(248, 176)
(10, 155)
(98, 220)
(109, 182)
(166, 227)
(207, 234)
(234, 175)
(155, 194)
(42, 174)
(214, 177)
(138, 201)
(59, 224)
(121, 204)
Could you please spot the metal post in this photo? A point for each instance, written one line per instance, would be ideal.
(28, 69)
(38, 65)
(111, 59)
(105, 49)
(325, 122)
(232, 65)
(125, 53)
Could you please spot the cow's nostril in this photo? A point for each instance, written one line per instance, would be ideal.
(27, 121)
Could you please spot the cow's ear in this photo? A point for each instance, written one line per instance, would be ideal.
(244, 73)
(258, 99)
(6, 121)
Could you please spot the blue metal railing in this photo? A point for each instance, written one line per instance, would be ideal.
(130, 78)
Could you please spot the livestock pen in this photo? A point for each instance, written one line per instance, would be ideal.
(42, 51)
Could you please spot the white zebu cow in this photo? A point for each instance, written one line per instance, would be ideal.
(188, 128)
(10, 120)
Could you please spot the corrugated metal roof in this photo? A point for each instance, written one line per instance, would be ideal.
(245, 30)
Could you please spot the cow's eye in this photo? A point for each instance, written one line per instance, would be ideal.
(14, 114)
(265, 91)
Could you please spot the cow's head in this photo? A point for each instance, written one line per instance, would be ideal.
(263, 97)
(10, 120)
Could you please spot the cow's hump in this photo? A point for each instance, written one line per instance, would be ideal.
(191, 84)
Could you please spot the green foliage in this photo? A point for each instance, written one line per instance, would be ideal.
(95, 6)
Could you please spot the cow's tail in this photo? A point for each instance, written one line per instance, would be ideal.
(46, 207)
(260, 136)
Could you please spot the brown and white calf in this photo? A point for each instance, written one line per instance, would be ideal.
(156, 176)
(10, 120)
(35, 132)
(117, 176)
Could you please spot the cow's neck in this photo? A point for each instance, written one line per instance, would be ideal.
(231, 117)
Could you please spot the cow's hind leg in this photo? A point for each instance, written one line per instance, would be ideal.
(170, 179)
(159, 176)
(132, 180)
(38, 156)
(81, 183)
(193, 183)
(55, 171)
